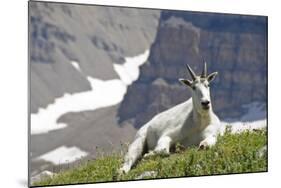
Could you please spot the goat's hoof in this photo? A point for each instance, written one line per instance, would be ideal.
(149, 154)
(123, 170)
(203, 145)
(120, 172)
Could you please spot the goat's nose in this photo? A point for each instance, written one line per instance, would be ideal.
(205, 103)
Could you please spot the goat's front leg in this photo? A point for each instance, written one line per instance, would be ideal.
(210, 141)
(134, 153)
(162, 147)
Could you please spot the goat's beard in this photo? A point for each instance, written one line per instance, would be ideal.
(206, 107)
(204, 111)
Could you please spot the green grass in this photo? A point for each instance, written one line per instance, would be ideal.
(233, 153)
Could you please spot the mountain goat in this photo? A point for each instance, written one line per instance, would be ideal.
(192, 122)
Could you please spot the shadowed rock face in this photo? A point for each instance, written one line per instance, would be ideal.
(94, 36)
(233, 45)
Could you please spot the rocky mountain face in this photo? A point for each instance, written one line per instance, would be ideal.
(233, 45)
(94, 36)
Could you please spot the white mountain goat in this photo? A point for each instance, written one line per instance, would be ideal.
(192, 122)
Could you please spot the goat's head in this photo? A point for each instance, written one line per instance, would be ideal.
(200, 88)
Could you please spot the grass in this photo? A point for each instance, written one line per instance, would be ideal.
(233, 153)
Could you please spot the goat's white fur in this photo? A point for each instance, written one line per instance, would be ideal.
(187, 123)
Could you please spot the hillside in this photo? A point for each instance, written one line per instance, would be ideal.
(233, 153)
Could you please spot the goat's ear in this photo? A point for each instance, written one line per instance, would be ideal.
(185, 81)
(212, 76)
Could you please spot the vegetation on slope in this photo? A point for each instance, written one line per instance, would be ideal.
(233, 153)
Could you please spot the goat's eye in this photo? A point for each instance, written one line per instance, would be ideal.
(193, 87)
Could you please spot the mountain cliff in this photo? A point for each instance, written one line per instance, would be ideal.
(93, 36)
(233, 45)
(71, 45)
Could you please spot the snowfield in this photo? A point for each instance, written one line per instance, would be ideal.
(254, 118)
(129, 71)
(103, 94)
(63, 155)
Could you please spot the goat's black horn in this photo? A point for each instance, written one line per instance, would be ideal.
(192, 74)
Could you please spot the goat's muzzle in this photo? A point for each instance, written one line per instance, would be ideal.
(205, 104)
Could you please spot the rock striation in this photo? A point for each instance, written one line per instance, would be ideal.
(233, 45)
(93, 36)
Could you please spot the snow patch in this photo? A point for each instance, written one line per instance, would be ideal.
(76, 65)
(103, 94)
(63, 155)
(238, 127)
(253, 119)
(129, 71)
